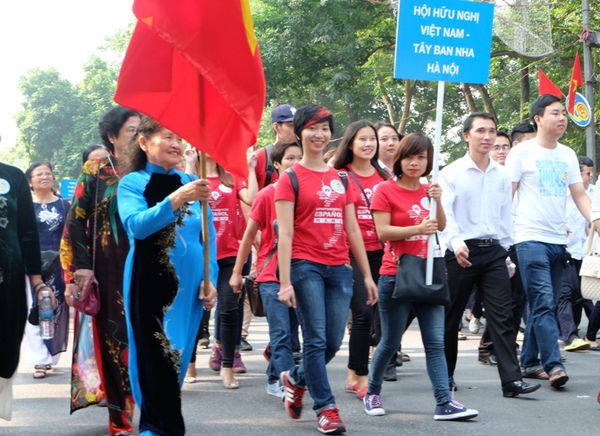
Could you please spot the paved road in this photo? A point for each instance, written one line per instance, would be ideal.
(41, 407)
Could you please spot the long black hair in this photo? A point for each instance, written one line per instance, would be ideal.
(344, 154)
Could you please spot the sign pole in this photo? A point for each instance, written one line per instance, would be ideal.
(434, 176)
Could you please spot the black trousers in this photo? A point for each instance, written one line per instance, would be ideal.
(488, 272)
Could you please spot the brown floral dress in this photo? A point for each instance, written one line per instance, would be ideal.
(99, 181)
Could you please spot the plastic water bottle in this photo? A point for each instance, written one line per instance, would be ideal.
(46, 316)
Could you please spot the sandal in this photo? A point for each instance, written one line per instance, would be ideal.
(404, 357)
(40, 372)
(537, 373)
(558, 378)
(350, 388)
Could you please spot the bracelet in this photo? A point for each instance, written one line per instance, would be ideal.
(286, 290)
(37, 285)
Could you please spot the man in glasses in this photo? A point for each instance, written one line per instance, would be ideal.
(501, 147)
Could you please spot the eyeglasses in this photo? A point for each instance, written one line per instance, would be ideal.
(505, 147)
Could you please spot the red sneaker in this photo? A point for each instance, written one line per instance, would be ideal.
(329, 422)
(292, 396)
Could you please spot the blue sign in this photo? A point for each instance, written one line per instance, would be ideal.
(67, 188)
(582, 112)
(441, 40)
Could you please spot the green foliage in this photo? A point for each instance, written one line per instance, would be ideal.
(60, 119)
(338, 53)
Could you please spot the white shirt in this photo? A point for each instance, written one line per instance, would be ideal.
(544, 176)
(477, 204)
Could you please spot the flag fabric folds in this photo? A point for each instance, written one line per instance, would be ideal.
(547, 86)
(576, 81)
(194, 66)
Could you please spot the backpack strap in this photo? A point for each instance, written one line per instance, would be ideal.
(269, 167)
(360, 187)
(294, 181)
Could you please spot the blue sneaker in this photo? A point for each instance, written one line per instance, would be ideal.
(275, 389)
(373, 405)
(453, 411)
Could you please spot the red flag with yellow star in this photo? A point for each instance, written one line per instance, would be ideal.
(576, 81)
(194, 66)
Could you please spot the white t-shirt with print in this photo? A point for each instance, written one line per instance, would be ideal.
(544, 176)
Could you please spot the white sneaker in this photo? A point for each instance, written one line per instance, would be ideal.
(474, 325)
(275, 389)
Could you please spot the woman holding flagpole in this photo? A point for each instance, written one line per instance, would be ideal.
(164, 275)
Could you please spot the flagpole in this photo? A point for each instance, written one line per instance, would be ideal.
(436, 160)
(205, 230)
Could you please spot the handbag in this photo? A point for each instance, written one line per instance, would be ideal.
(50, 260)
(410, 280)
(89, 301)
(590, 269)
(254, 299)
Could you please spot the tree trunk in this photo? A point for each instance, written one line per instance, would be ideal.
(466, 89)
(525, 90)
(388, 103)
(487, 101)
(409, 92)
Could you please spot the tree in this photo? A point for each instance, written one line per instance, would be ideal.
(49, 107)
(60, 119)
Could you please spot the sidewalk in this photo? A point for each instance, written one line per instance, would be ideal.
(41, 407)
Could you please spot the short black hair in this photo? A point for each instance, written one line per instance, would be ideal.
(89, 149)
(538, 106)
(503, 133)
(311, 113)
(412, 144)
(584, 160)
(468, 122)
(517, 133)
(279, 148)
(111, 123)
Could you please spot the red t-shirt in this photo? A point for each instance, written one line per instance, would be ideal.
(407, 208)
(263, 212)
(319, 234)
(363, 214)
(261, 168)
(227, 216)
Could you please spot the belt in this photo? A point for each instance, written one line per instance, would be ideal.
(482, 243)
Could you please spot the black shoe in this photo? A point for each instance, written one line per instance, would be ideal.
(452, 385)
(390, 373)
(514, 388)
(204, 342)
(245, 345)
(490, 359)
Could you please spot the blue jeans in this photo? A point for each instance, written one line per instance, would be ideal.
(323, 295)
(393, 315)
(280, 340)
(541, 266)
